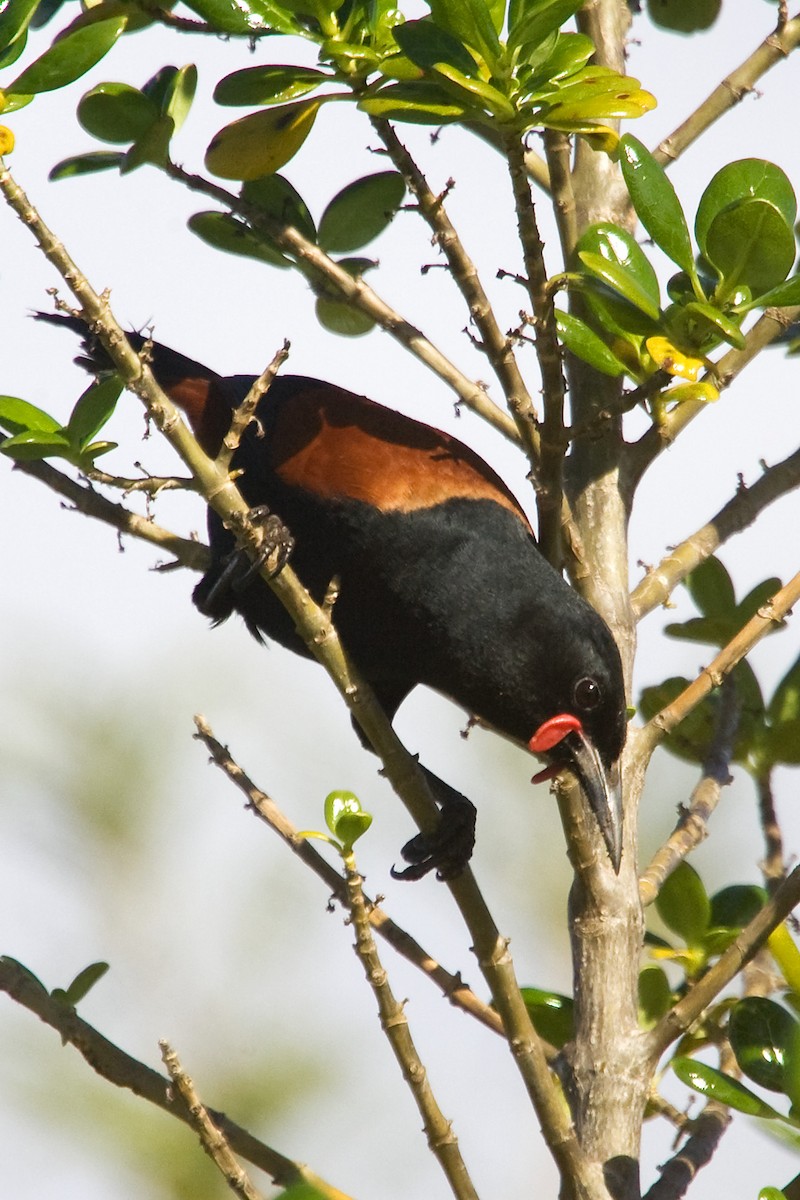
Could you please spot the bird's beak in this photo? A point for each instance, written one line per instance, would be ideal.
(601, 787)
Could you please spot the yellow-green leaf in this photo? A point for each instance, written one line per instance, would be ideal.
(261, 142)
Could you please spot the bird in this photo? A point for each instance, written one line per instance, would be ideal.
(439, 579)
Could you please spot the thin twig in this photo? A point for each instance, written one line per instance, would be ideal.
(739, 512)
(212, 1139)
(768, 616)
(361, 296)
(549, 489)
(86, 500)
(773, 866)
(727, 967)
(452, 986)
(121, 1069)
(773, 50)
(697, 1151)
(497, 347)
(244, 413)
(151, 485)
(692, 824)
(557, 147)
(439, 1131)
(661, 435)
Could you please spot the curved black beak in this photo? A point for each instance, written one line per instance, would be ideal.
(601, 788)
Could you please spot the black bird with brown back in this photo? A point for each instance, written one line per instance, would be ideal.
(440, 581)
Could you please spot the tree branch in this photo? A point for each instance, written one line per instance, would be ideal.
(441, 1139)
(679, 1173)
(452, 986)
(739, 512)
(119, 1068)
(774, 49)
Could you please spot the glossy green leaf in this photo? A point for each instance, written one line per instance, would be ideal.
(471, 22)
(268, 84)
(86, 164)
(420, 103)
(621, 280)
(552, 1015)
(618, 247)
(244, 17)
(15, 16)
(228, 233)
(655, 996)
(609, 105)
(14, 51)
(33, 444)
(69, 58)
(711, 588)
(760, 1032)
(712, 1083)
(656, 202)
(768, 1193)
(16, 416)
(748, 178)
(684, 906)
(361, 211)
(13, 103)
(93, 409)
(701, 392)
(583, 342)
(532, 23)
(715, 322)
(345, 818)
(777, 297)
(261, 142)
(274, 196)
(751, 243)
(617, 316)
(427, 45)
(116, 112)
(569, 53)
(736, 905)
(482, 94)
(179, 93)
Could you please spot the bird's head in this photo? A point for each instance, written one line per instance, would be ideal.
(586, 731)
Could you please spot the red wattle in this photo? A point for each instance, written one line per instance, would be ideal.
(553, 731)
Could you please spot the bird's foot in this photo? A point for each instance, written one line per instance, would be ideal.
(448, 847)
(276, 545)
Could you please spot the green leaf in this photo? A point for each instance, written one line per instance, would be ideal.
(15, 16)
(17, 416)
(418, 103)
(268, 85)
(683, 16)
(782, 743)
(715, 321)
(345, 818)
(14, 51)
(569, 53)
(339, 317)
(84, 981)
(361, 211)
(583, 342)
(656, 203)
(86, 164)
(785, 702)
(735, 906)
(757, 598)
(33, 444)
(228, 233)
(427, 45)
(620, 280)
(245, 17)
(532, 23)
(69, 57)
(179, 93)
(152, 146)
(751, 243)
(768, 1193)
(684, 906)
(274, 196)
(712, 1083)
(711, 588)
(780, 296)
(617, 247)
(116, 112)
(760, 1032)
(484, 94)
(471, 22)
(655, 996)
(748, 178)
(261, 142)
(552, 1015)
(92, 411)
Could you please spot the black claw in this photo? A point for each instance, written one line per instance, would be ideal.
(448, 847)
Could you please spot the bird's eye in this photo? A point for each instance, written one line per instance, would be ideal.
(587, 693)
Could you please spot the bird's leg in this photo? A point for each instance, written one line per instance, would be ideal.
(448, 847)
(238, 569)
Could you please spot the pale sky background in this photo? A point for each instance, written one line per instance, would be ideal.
(217, 938)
